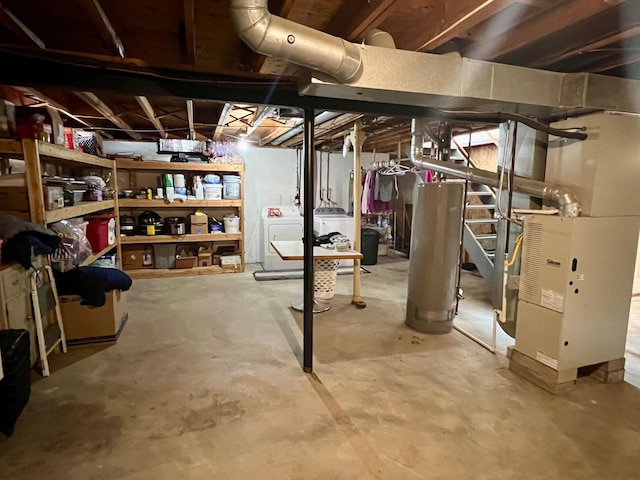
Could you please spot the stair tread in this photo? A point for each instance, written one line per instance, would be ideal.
(472, 221)
(472, 193)
(482, 206)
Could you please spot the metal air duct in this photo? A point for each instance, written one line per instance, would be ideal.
(319, 119)
(275, 36)
(566, 201)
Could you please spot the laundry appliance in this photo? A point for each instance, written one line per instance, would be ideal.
(288, 225)
(334, 219)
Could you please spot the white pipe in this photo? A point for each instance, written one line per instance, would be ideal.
(277, 37)
(533, 211)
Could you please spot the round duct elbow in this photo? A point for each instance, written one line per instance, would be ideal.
(380, 38)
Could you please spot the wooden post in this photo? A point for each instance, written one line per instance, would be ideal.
(34, 182)
(357, 140)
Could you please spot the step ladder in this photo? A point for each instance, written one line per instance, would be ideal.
(44, 299)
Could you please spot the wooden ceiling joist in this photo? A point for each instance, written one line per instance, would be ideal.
(589, 47)
(357, 17)
(549, 22)
(104, 110)
(190, 30)
(104, 26)
(192, 130)
(147, 108)
(64, 110)
(454, 19)
(14, 24)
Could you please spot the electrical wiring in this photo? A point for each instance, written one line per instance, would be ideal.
(528, 121)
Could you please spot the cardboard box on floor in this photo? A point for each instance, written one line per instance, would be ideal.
(84, 324)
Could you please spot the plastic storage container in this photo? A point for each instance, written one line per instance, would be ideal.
(231, 187)
(165, 255)
(369, 241)
(231, 224)
(212, 191)
(101, 231)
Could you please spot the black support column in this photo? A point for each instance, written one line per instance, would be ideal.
(309, 194)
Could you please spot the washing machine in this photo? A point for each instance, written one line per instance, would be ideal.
(289, 225)
(334, 219)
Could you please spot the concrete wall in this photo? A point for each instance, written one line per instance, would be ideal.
(270, 180)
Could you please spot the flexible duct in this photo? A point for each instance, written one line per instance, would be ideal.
(562, 197)
(271, 35)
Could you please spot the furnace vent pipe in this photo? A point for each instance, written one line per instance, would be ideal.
(566, 201)
(275, 36)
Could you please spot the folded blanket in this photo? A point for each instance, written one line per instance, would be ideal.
(91, 283)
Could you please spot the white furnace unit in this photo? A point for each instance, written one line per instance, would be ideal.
(575, 289)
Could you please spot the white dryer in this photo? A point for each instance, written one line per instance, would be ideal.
(288, 226)
(334, 219)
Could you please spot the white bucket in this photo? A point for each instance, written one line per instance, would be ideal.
(231, 186)
(212, 192)
(231, 224)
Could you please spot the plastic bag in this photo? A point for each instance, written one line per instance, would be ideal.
(74, 246)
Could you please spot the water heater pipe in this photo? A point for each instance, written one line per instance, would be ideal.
(281, 38)
(565, 199)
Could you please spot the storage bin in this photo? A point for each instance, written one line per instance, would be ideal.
(101, 231)
(212, 192)
(165, 255)
(231, 185)
(231, 224)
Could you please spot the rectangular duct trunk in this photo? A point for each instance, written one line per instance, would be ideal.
(451, 82)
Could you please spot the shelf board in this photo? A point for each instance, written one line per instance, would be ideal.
(177, 272)
(133, 203)
(209, 237)
(50, 151)
(128, 164)
(89, 260)
(8, 146)
(78, 210)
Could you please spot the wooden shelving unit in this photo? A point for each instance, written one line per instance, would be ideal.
(92, 258)
(128, 164)
(36, 155)
(78, 210)
(211, 237)
(186, 207)
(135, 203)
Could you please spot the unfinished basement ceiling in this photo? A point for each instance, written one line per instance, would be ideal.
(197, 36)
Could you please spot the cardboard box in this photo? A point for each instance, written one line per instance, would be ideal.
(205, 258)
(137, 256)
(14, 198)
(233, 261)
(84, 324)
(186, 262)
(199, 224)
(53, 197)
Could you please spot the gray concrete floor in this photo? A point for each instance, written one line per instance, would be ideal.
(206, 383)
